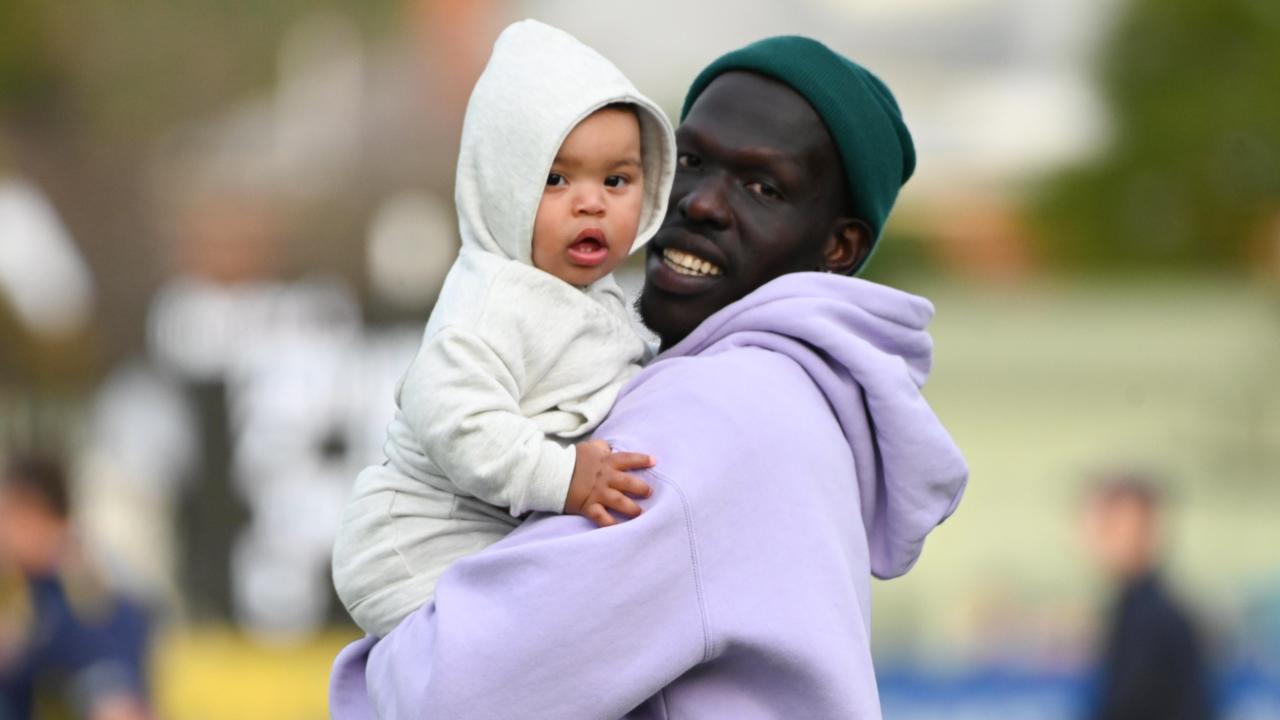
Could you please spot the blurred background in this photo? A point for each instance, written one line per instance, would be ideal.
(223, 225)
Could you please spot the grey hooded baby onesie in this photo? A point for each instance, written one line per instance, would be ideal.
(515, 363)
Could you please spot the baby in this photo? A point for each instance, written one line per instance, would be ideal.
(564, 169)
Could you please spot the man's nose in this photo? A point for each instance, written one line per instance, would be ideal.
(707, 202)
(588, 200)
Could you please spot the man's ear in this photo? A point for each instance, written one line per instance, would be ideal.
(848, 244)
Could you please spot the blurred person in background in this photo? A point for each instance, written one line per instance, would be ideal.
(68, 646)
(1152, 665)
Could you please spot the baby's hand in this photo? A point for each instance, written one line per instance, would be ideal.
(600, 483)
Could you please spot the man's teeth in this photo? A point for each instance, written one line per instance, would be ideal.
(686, 264)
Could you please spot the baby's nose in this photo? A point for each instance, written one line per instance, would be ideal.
(589, 202)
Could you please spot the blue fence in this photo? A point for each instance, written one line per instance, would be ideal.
(908, 694)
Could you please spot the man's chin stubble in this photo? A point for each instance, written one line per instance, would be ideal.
(663, 339)
(638, 306)
(667, 336)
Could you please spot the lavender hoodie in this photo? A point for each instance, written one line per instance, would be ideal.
(796, 459)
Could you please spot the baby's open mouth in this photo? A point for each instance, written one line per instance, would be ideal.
(589, 248)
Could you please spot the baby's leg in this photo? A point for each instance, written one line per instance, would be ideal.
(398, 536)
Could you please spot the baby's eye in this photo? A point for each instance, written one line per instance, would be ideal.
(555, 180)
(688, 160)
(764, 190)
(615, 181)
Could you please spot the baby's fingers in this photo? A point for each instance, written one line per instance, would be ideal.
(631, 461)
(620, 503)
(630, 484)
(597, 514)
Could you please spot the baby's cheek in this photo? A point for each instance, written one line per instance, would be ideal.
(636, 211)
(616, 259)
(542, 256)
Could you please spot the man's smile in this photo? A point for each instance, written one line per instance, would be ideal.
(688, 263)
(684, 262)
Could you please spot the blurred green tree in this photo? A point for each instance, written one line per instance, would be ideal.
(27, 60)
(1193, 167)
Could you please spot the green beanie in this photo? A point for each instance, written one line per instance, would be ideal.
(858, 109)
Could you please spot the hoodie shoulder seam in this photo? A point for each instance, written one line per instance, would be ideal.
(708, 640)
(483, 312)
(483, 332)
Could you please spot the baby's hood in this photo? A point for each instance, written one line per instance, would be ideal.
(539, 84)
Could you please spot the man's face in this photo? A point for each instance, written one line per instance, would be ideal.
(1122, 535)
(758, 189)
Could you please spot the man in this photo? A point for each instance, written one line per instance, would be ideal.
(1152, 664)
(795, 455)
(77, 648)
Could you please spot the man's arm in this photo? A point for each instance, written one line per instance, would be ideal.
(559, 620)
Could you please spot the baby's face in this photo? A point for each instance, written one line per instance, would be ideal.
(590, 209)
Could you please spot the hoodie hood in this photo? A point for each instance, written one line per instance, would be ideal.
(866, 348)
(539, 84)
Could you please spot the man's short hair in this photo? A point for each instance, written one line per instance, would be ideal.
(39, 477)
(1136, 486)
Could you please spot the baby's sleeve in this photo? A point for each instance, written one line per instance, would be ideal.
(461, 400)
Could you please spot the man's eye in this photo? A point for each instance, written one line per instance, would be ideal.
(614, 181)
(764, 190)
(555, 180)
(688, 160)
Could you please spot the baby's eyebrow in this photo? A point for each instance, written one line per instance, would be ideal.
(626, 162)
